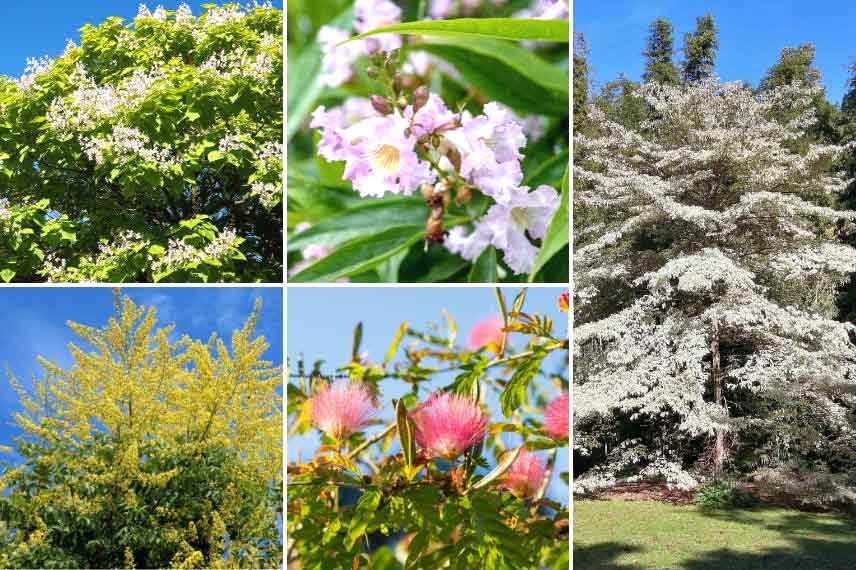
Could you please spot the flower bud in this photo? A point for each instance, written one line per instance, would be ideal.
(454, 157)
(392, 62)
(402, 102)
(434, 230)
(420, 97)
(371, 72)
(381, 105)
(464, 194)
(427, 191)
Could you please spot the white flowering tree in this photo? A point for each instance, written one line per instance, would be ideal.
(149, 152)
(708, 256)
(429, 150)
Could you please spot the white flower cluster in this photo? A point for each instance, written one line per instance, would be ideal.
(267, 193)
(240, 63)
(180, 254)
(127, 144)
(35, 68)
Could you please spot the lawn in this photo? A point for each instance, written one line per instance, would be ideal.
(641, 535)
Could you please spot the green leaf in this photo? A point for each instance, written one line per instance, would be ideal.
(364, 514)
(484, 268)
(367, 218)
(557, 234)
(361, 255)
(7, 275)
(467, 382)
(402, 328)
(405, 434)
(214, 156)
(507, 73)
(518, 29)
(514, 394)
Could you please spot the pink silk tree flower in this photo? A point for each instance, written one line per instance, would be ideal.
(447, 424)
(341, 408)
(488, 334)
(556, 418)
(525, 475)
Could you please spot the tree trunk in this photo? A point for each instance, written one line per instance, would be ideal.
(719, 451)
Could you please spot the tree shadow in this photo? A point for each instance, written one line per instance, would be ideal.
(604, 556)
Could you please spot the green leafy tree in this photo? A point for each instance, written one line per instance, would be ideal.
(659, 52)
(149, 152)
(700, 48)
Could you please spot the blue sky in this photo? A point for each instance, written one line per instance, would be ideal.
(34, 29)
(321, 321)
(34, 323)
(751, 34)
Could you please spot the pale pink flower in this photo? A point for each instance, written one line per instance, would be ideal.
(331, 125)
(433, 115)
(556, 418)
(468, 246)
(337, 60)
(381, 157)
(525, 475)
(371, 14)
(341, 408)
(487, 333)
(447, 424)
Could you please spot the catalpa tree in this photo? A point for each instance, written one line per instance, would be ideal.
(149, 152)
(421, 492)
(436, 150)
(709, 253)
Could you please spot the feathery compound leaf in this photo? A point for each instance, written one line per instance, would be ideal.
(515, 391)
(518, 29)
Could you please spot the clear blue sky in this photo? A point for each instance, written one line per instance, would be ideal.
(751, 34)
(32, 28)
(34, 324)
(321, 321)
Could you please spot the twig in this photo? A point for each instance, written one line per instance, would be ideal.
(386, 431)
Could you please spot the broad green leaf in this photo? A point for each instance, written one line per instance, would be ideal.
(369, 217)
(361, 254)
(506, 73)
(484, 268)
(518, 29)
(558, 234)
(514, 394)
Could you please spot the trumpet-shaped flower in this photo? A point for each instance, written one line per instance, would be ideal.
(341, 408)
(432, 116)
(337, 57)
(525, 475)
(331, 124)
(487, 334)
(556, 417)
(447, 424)
(380, 155)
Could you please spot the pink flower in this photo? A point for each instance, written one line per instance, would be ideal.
(556, 418)
(487, 333)
(332, 124)
(337, 59)
(371, 14)
(525, 475)
(381, 157)
(447, 424)
(341, 408)
(433, 115)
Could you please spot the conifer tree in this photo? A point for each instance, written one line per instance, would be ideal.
(700, 48)
(659, 52)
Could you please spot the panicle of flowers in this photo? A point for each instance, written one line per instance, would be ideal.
(525, 476)
(267, 193)
(556, 417)
(341, 408)
(231, 141)
(124, 145)
(180, 254)
(240, 63)
(35, 68)
(447, 424)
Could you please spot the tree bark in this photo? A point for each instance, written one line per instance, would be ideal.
(719, 450)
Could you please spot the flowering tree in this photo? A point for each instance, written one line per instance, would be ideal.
(436, 498)
(149, 451)
(149, 152)
(436, 149)
(708, 257)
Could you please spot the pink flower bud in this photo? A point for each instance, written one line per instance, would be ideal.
(447, 424)
(556, 418)
(525, 475)
(341, 408)
(487, 334)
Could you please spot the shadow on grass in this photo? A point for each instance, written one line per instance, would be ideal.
(604, 556)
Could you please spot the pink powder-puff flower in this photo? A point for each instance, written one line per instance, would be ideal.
(488, 334)
(341, 408)
(432, 116)
(525, 475)
(524, 213)
(447, 424)
(381, 157)
(556, 418)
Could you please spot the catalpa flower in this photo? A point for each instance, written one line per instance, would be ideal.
(332, 123)
(341, 408)
(447, 424)
(381, 157)
(372, 14)
(525, 475)
(432, 116)
(487, 334)
(556, 418)
(337, 57)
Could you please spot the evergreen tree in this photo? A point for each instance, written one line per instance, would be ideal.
(659, 52)
(700, 50)
(706, 283)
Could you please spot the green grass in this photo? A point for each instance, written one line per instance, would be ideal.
(642, 535)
